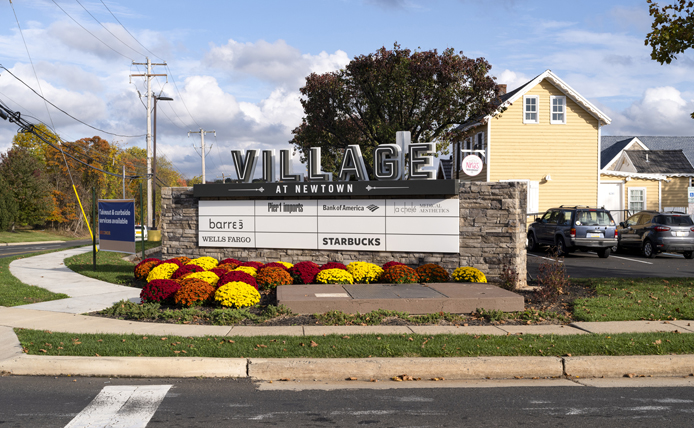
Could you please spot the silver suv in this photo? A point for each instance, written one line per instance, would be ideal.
(574, 228)
(653, 232)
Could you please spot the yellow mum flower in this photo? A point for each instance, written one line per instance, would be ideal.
(206, 263)
(237, 294)
(162, 271)
(249, 270)
(209, 277)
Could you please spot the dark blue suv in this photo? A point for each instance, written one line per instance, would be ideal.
(574, 228)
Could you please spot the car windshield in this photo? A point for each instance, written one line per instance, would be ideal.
(674, 220)
(594, 218)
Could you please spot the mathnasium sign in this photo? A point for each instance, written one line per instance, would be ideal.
(117, 225)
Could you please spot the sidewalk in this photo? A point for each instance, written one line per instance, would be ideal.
(87, 295)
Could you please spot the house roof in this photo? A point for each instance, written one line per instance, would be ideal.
(446, 168)
(660, 161)
(510, 97)
(611, 146)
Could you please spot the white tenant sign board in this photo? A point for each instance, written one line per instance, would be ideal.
(411, 225)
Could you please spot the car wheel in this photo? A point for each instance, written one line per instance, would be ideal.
(688, 254)
(604, 253)
(561, 247)
(532, 243)
(648, 251)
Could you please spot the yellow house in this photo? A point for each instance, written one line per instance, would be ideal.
(645, 173)
(544, 133)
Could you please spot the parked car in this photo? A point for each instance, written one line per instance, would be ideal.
(653, 232)
(574, 228)
(139, 233)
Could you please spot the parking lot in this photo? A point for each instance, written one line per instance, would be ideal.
(624, 265)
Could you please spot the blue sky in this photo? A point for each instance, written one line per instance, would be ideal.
(238, 66)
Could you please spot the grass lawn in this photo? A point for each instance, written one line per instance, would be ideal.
(620, 299)
(357, 346)
(13, 292)
(34, 236)
(110, 267)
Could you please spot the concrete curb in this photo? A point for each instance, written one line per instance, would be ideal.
(637, 365)
(35, 365)
(331, 369)
(363, 369)
(5, 244)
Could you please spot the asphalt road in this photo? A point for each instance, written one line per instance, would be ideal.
(16, 250)
(622, 265)
(55, 402)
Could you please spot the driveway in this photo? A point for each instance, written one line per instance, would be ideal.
(623, 265)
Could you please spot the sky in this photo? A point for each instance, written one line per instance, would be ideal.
(236, 67)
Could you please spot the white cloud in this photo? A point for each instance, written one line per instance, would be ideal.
(661, 111)
(277, 62)
(512, 79)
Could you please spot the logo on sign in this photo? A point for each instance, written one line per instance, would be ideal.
(472, 165)
(372, 207)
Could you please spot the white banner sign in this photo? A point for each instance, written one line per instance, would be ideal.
(412, 225)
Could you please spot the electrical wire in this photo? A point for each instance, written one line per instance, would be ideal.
(126, 30)
(66, 113)
(92, 34)
(31, 61)
(181, 96)
(109, 31)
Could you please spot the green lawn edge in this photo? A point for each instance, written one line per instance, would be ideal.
(29, 236)
(110, 266)
(14, 292)
(37, 342)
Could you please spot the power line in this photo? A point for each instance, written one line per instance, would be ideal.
(92, 34)
(126, 30)
(181, 96)
(31, 61)
(109, 31)
(66, 113)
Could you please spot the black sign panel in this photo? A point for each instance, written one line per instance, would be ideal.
(327, 188)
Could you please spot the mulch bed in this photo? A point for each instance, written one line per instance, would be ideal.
(562, 308)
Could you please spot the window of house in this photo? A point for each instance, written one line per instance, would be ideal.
(558, 110)
(531, 107)
(467, 145)
(480, 144)
(637, 199)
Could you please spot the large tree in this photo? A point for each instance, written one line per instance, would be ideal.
(672, 30)
(8, 206)
(27, 185)
(376, 95)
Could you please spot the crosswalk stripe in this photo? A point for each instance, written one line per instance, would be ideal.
(125, 406)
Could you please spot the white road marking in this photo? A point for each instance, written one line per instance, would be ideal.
(546, 258)
(632, 260)
(125, 406)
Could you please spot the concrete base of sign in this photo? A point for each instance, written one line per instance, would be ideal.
(413, 298)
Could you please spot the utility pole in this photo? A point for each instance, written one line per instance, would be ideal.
(202, 145)
(149, 75)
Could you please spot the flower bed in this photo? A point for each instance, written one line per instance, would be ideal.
(186, 282)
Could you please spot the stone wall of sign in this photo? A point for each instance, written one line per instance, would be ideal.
(492, 226)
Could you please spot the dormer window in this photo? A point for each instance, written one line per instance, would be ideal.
(531, 109)
(558, 110)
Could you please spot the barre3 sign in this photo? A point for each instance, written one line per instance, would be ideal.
(472, 165)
